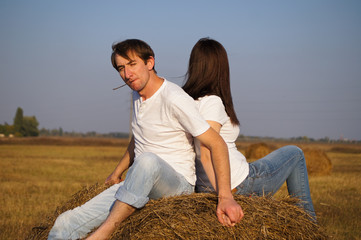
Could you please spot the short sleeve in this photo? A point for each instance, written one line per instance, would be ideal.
(212, 109)
(187, 113)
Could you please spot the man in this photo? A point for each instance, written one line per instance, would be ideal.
(160, 156)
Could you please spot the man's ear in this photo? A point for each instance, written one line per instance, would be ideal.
(150, 63)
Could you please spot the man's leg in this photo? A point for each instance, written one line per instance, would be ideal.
(149, 177)
(78, 222)
(119, 213)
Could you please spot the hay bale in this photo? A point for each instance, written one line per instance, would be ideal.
(318, 163)
(257, 151)
(194, 217)
(86, 193)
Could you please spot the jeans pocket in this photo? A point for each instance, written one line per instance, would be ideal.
(245, 188)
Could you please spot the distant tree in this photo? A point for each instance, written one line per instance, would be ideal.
(18, 122)
(325, 139)
(91, 134)
(54, 132)
(44, 132)
(9, 129)
(2, 129)
(305, 139)
(30, 126)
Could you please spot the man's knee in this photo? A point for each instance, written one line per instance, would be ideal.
(147, 161)
(147, 156)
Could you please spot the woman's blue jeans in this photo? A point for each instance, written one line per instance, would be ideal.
(267, 175)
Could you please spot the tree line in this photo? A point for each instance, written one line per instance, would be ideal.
(23, 126)
(27, 126)
(59, 132)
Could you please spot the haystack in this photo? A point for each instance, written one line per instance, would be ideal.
(194, 217)
(41, 231)
(318, 163)
(257, 151)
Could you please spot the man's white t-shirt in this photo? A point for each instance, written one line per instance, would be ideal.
(212, 109)
(165, 125)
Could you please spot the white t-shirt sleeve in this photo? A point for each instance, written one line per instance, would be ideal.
(212, 109)
(187, 113)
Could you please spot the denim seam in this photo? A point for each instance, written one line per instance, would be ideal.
(81, 225)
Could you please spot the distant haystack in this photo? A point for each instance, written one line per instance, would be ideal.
(194, 217)
(257, 151)
(317, 162)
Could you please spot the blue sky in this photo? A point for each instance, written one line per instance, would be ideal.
(295, 65)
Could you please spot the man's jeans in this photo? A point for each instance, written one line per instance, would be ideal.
(267, 175)
(149, 177)
(78, 222)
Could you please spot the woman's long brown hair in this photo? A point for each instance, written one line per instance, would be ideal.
(208, 74)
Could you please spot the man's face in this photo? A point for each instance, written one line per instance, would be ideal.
(134, 72)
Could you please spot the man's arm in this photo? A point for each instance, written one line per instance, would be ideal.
(228, 211)
(124, 164)
(206, 159)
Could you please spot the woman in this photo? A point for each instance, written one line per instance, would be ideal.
(208, 82)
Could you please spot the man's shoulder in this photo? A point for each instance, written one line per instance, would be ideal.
(173, 91)
(173, 96)
(171, 86)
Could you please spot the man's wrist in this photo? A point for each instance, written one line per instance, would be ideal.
(225, 196)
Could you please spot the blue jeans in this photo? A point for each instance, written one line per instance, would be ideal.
(267, 175)
(149, 177)
(78, 222)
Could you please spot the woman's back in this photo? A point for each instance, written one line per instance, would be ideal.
(212, 109)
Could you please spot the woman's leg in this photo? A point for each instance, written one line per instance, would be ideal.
(268, 174)
(78, 222)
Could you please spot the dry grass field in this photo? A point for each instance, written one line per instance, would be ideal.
(39, 174)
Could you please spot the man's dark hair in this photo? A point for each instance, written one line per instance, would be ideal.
(136, 46)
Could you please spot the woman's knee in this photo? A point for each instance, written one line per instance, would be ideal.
(294, 150)
(297, 155)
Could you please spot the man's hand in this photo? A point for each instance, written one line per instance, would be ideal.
(112, 179)
(229, 212)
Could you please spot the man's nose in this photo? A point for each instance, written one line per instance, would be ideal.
(127, 73)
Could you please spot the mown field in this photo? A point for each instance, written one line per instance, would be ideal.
(37, 175)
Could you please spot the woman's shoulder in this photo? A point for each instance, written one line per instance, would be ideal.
(210, 100)
(211, 108)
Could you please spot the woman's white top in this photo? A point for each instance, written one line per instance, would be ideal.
(212, 109)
